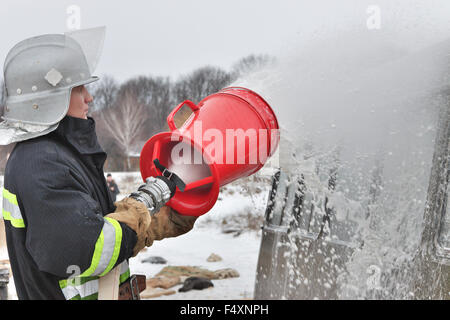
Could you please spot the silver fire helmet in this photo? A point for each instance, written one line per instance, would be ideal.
(39, 75)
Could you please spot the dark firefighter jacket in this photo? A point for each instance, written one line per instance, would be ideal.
(54, 202)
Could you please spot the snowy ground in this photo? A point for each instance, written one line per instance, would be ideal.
(240, 207)
(239, 253)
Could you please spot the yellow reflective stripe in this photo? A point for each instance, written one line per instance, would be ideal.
(96, 257)
(80, 288)
(62, 284)
(118, 242)
(17, 223)
(107, 249)
(10, 197)
(124, 271)
(68, 292)
(11, 211)
(85, 288)
(124, 276)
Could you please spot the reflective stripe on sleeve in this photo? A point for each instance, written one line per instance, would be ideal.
(107, 249)
(117, 242)
(124, 272)
(80, 288)
(86, 288)
(11, 210)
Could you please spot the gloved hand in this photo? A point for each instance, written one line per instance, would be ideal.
(168, 223)
(136, 211)
(135, 215)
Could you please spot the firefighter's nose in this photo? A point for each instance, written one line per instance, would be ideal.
(88, 98)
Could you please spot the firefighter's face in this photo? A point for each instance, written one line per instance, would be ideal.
(79, 100)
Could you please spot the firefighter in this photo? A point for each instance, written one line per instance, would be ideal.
(61, 223)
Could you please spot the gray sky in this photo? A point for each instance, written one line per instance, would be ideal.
(173, 37)
(161, 37)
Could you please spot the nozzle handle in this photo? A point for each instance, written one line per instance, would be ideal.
(170, 121)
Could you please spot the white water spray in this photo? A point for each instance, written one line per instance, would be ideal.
(368, 104)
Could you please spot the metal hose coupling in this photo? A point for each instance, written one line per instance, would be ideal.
(154, 194)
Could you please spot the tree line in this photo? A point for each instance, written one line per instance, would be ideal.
(127, 114)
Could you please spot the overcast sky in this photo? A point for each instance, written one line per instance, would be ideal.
(173, 37)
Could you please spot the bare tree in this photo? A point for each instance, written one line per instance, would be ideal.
(201, 83)
(125, 122)
(104, 93)
(155, 94)
(251, 63)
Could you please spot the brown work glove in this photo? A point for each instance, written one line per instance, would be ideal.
(135, 215)
(168, 223)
